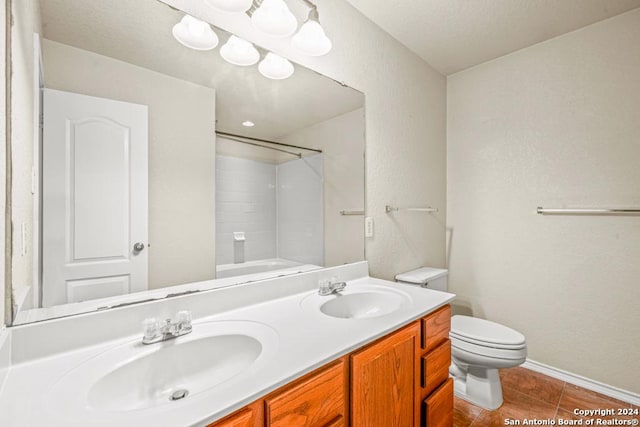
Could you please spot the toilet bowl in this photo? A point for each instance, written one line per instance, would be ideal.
(478, 347)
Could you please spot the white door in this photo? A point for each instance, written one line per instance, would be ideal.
(94, 198)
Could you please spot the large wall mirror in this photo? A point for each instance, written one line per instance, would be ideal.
(147, 168)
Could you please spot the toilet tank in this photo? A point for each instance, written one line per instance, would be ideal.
(427, 277)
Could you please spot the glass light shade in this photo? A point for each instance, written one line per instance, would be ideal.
(311, 39)
(238, 51)
(195, 34)
(232, 6)
(274, 18)
(275, 67)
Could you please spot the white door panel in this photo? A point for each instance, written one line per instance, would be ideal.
(85, 289)
(100, 155)
(94, 197)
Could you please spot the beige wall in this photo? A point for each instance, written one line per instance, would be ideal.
(553, 125)
(26, 22)
(181, 155)
(341, 140)
(405, 128)
(3, 182)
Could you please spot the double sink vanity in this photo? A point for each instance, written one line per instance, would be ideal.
(279, 352)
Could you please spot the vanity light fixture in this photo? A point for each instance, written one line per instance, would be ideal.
(275, 67)
(311, 39)
(238, 51)
(273, 18)
(248, 124)
(231, 6)
(195, 34)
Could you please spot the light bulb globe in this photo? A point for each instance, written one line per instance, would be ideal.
(274, 19)
(230, 6)
(311, 39)
(195, 34)
(240, 52)
(275, 67)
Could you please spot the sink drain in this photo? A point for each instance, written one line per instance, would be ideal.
(179, 394)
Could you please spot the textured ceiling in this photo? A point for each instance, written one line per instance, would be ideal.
(452, 35)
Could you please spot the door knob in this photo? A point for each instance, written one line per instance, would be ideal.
(138, 247)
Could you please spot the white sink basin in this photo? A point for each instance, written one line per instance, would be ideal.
(358, 302)
(134, 376)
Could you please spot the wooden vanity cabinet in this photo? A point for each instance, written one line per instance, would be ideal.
(400, 380)
(316, 400)
(434, 389)
(249, 416)
(437, 408)
(382, 381)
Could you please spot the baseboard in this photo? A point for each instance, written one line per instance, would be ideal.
(583, 382)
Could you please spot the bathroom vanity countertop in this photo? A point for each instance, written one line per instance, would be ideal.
(306, 340)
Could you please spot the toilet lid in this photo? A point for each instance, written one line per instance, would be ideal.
(486, 333)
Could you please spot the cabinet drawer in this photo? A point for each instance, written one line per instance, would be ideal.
(435, 367)
(435, 328)
(242, 418)
(317, 400)
(438, 407)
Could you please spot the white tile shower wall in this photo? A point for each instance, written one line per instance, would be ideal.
(300, 212)
(342, 142)
(245, 202)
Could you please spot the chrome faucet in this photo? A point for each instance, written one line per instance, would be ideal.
(330, 287)
(155, 331)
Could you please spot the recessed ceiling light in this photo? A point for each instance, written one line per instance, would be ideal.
(248, 123)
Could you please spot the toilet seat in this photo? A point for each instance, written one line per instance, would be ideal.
(486, 352)
(484, 333)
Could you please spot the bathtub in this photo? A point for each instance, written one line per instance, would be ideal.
(263, 269)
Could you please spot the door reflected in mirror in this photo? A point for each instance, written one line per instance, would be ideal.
(135, 196)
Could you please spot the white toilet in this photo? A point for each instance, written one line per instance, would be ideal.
(478, 347)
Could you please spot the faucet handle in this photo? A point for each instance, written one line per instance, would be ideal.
(324, 287)
(183, 318)
(150, 327)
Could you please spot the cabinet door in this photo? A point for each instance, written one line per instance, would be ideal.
(382, 381)
(245, 417)
(316, 400)
(438, 407)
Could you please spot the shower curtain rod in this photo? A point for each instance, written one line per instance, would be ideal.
(267, 141)
(298, 155)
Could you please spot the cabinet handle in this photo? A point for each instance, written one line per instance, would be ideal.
(336, 422)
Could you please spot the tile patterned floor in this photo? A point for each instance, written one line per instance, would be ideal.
(530, 395)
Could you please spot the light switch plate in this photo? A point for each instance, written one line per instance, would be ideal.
(368, 227)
